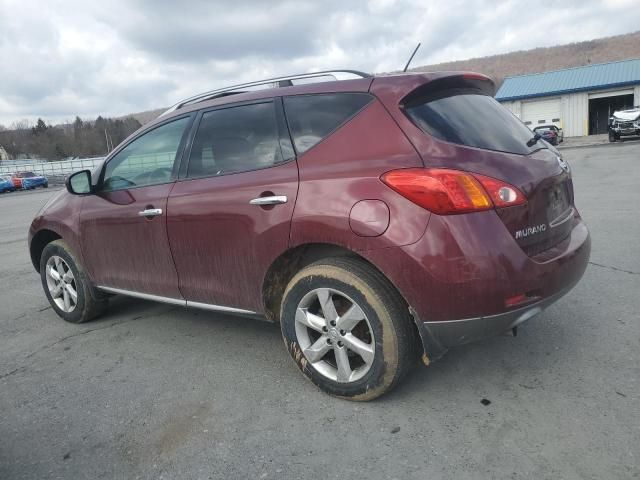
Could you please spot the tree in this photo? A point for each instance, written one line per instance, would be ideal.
(40, 127)
(81, 138)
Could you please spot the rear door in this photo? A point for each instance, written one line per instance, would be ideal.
(123, 226)
(230, 214)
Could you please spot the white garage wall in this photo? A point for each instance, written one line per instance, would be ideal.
(514, 107)
(575, 114)
(574, 110)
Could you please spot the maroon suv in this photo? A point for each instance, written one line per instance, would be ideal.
(377, 219)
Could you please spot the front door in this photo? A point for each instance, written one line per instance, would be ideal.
(123, 226)
(230, 217)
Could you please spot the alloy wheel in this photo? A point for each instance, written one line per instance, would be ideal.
(61, 284)
(335, 335)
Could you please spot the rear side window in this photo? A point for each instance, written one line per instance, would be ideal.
(313, 117)
(236, 139)
(473, 119)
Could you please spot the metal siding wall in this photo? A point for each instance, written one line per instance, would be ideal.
(575, 109)
(514, 107)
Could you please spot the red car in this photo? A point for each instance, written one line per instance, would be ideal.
(377, 219)
(29, 180)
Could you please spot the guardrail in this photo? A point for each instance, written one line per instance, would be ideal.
(52, 169)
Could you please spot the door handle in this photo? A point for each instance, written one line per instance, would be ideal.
(272, 200)
(150, 212)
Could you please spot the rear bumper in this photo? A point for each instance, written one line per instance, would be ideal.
(457, 278)
(438, 337)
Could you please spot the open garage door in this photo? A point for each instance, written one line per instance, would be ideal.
(601, 107)
(541, 112)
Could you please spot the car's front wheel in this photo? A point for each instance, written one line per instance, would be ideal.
(347, 328)
(67, 286)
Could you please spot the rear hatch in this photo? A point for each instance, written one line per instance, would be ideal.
(457, 124)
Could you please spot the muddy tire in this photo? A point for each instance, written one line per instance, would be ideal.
(67, 285)
(347, 328)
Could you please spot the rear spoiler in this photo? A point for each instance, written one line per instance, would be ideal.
(447, 86)
(394, 90)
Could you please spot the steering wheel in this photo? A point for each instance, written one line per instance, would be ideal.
(117, 182)
(153, 176)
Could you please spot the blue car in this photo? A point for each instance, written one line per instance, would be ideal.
(6, 185)
(28, 180)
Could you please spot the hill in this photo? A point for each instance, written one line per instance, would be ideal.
(601, 50)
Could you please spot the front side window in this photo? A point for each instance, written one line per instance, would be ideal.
(148, 160)
(235, 139)
(313, 117)
(466, 117)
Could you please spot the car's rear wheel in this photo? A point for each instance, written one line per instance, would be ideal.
(67, 286)
(347, 328)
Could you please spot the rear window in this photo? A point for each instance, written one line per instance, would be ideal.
(313, 117)
(470, 118)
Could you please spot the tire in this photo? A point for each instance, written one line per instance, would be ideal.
(612, 137)
(89, 302)
(355, 290)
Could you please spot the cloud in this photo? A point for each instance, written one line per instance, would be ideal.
(67, 58)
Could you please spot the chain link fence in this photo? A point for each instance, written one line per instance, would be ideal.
(55, 172)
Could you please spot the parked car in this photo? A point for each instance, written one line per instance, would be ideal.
(376, 219)
(550, 133)
(29, 180)
(6, 185)
(624, 123)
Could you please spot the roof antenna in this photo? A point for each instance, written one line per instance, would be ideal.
(411, 58)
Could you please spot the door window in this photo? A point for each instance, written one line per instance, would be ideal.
(236, 139)
(148, 160)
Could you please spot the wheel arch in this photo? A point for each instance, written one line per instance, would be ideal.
(283, 268)
(39, 241)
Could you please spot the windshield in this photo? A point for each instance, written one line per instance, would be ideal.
(26, 174)
(473, 119)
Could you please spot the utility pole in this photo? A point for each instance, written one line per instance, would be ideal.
(108, 141)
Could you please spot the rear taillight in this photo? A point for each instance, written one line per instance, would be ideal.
(447, 192)
(502, 194)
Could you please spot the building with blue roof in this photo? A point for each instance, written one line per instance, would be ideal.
(580, 100)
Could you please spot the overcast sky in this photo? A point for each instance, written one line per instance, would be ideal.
(59, 59)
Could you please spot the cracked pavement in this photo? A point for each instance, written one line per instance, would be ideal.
(155, 391)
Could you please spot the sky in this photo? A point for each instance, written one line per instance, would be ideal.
(59, 59)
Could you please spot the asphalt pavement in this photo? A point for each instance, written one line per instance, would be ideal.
(156, 391)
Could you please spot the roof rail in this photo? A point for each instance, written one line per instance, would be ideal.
(276, 82)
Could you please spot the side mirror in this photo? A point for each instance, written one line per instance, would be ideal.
(79, 183)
